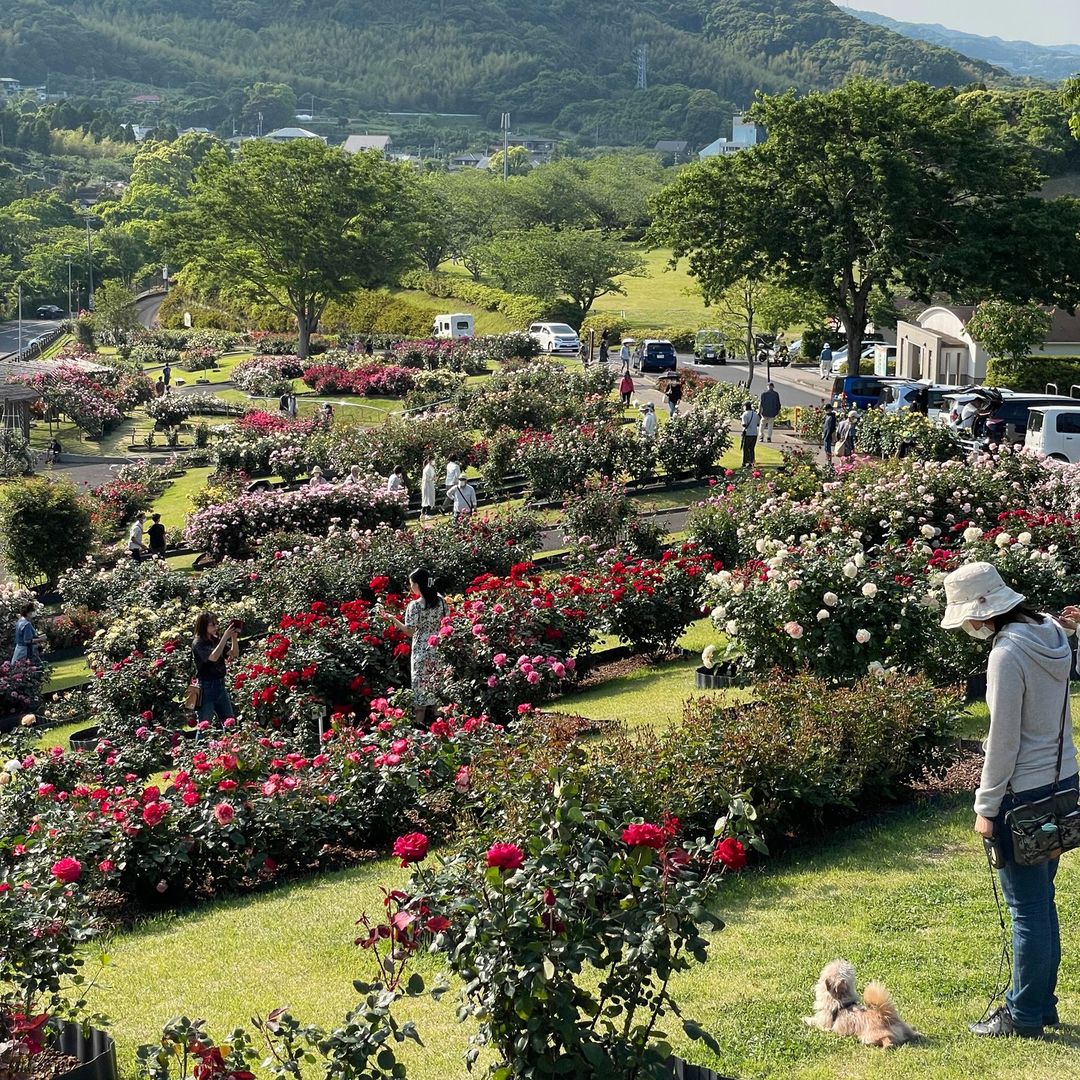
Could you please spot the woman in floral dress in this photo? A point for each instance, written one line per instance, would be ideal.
(423, 617)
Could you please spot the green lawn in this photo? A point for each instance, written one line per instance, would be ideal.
(663, 298)
(174, 505)
(64, 674)
(60, 735)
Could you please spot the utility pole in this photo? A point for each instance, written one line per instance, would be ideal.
(19, 353)
(260, 125)
(505, 124)
(643, 67)
(69, 287)
(89, 269)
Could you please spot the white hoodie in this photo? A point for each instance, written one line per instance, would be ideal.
(1027, 682)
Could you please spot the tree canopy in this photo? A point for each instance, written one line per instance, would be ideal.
(297, 224)
(870, 190)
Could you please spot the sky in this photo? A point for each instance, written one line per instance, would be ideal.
(1046, 22)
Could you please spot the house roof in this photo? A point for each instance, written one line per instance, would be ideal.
(1064, 328)
(356, 143)
(14, 391)
(671, 146)
(291, 133)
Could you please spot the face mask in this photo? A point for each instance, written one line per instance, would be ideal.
(979, 633)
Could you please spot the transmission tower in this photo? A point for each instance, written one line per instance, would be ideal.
(642, 54)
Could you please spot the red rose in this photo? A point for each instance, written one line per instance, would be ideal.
(412, 847)
(106, 866)
(224, 813)
(731, 853)
(549, 897)
(379, 583)
(67, 870)
(505, 856)
(643, 835)
(154, 812)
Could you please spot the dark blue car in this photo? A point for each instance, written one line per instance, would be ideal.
(857, 391)
(657, 355)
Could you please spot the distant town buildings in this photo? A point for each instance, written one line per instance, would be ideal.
(291, 134)
(357, 144)
(10, 87)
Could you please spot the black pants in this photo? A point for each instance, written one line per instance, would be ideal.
(749, 446)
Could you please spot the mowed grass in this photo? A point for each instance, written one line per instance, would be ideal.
(64, 674)
(905, 898)
(662, 298)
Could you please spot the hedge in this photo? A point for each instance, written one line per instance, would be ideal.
(520, 310)
(1034, 373)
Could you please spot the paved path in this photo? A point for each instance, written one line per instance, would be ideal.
(147, 308)
(31, 328)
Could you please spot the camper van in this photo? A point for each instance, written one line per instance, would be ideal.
(452, 326)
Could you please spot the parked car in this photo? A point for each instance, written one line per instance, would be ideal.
(839, 359)
(49, 311)
(900, 396)
(1054, 431)
(858, 391)
(709, 347)
(657, 354)
(1003, 415)
(555, 337)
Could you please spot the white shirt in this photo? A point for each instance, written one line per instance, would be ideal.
(750, 420)
(453, 473)
(395, 482)
(624, 352)
(427, 486)
(648, 425)
(968, 414)
(135, 536)
(464, 498)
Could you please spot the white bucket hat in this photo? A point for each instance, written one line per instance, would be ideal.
(976, 591)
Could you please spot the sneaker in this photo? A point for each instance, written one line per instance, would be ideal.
(999, 1024)
(1051, 1020)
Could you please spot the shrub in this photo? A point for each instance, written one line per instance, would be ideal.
(1033, 373)
(15, 457)
(617, 329)
(268, 375)
(517, 309)
(805, 751)
(884, 434)
(35, 514)
(693, 441)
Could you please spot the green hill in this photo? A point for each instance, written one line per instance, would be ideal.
(566, 63)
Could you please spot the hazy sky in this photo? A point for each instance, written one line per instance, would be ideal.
(1048, 22)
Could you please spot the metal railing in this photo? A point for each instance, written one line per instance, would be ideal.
(37, 346)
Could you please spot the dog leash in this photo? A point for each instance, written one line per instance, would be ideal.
(1003, 979)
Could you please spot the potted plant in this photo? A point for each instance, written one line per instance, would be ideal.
(715, 676)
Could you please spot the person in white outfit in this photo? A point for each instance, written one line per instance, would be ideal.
(649, 425)
(427, 488)
(464, 495)
(396, 481)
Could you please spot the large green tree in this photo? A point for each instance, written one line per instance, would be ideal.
(296, 224)
(1009, 330)
(873, 189)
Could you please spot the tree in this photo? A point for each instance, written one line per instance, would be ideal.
(870, 189)
(1009, 330)
(296, 224)
(476, 202)
(572, 263)
(114, 308)
(434, 226)
(33, 513)
(271, 105)
(517, 158)
(1070, 95)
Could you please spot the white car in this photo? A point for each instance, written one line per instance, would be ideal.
(555, 337)
(839, 360)
(1054, 431)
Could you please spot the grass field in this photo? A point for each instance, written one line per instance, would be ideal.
(662, 298)
(64, 674)
(174, 504)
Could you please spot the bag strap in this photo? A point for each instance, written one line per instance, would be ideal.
(1061, 734)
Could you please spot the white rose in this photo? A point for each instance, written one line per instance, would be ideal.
(14, 765)
(859, 560)
(928, 531)
(1003, 540)
(738, 588)
(759, 546)
(869, 590)
(830, 599)
(876, 668)
(971, 534)
(851, 570)
(862, 636)
(1024, 538)
(823, 614)
(731, 628)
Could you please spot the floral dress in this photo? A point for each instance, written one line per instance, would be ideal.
(427, 670)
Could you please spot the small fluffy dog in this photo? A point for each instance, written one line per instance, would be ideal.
(837, 1008)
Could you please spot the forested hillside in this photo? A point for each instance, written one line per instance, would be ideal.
(563, 62)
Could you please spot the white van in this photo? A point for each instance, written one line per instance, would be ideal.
(1054, 431)
(452, 326)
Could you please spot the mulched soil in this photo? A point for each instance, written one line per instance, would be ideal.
(962, 777)
(616, 669)
(49, 1063)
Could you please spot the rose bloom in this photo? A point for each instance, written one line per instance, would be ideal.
(851, 570)
(869, 590)
(505, 856)
(862, 636)
(224, 813)
(106, 866)
(154, 812)
(793, 629)
(412, 847)
(643, 835)
(972, 533)
(731, 853)
(823, 614)
(830, 599)
(67, 870)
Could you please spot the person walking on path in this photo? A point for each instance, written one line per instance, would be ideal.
(750, 424)
(453, 475)
(423, 617)
(624, 356)
(464, 500)
(584, 354)
(603, 347)
(770, 410)
(27, 639)
(851, 432)
(626, 388)
(156, 535)
(427, 488)
(293, 408)
(826, 361)
(166, 375)
(673, 395)
(211, 651)
(828, 434)
(649, 425)
(1029, 756)
(135, 544)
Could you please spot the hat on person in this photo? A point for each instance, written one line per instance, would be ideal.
(316, 471)
(976, 591)
(853, 415)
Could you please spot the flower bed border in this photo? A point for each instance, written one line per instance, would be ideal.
(94, 1048)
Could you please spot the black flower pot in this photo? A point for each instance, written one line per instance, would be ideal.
(720, 677)
(85, 739)
(93, 1048)
(683, 1070)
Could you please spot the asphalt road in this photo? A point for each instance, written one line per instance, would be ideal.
(31, 328)
(148, 309)
(796, 387)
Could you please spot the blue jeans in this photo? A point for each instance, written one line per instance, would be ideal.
(1036, 939)
(215, 699)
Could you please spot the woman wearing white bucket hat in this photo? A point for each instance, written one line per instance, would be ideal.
(1027, 688)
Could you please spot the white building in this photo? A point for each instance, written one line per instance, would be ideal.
(938, 347)
(357, 144)
(10, 87)
(744, 133)
(291, 134)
